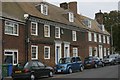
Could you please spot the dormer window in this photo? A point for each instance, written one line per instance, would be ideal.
(71, 17)
(44, 9)
(87, 22)
(103, 28)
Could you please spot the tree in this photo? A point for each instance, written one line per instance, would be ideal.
(112, 19)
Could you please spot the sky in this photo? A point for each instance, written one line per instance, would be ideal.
(90, 7)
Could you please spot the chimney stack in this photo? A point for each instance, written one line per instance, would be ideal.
(99, 17)
(64, 5)
(72, 6)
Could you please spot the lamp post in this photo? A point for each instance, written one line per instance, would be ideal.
(26, 17)
(111, 38)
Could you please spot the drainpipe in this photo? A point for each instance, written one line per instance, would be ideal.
(26, 17)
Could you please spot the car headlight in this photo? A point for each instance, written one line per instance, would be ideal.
(62, 66)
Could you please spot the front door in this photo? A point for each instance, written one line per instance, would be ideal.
(57, 52)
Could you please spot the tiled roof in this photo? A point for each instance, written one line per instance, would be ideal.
(16, 10)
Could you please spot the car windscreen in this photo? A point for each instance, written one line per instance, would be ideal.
(64, 60)
(88, 59)
(30, 64)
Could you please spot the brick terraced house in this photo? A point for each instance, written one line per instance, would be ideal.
(42, 31)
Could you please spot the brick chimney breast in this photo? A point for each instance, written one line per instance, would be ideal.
(99, 17)
(73, 7)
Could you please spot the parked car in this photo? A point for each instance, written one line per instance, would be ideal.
(69, 65)
(93, 61)
(112, 59)
(31, 70)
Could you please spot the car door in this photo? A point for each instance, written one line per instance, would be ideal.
(78, 63)
(42, 69)
(35, 68)
(73, 63)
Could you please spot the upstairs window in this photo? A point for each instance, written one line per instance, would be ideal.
(95, 37)
(89, 36)
(34, 28)
(11, 28)
(104, 40)
(74, 36)
(44, 9)
(46, 30)
(108, 40)
(71, 17)
(100, 38)
(57, 32)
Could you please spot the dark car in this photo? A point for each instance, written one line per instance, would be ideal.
(69, 65)
(93, 62)
(112, 59)
(31, 71)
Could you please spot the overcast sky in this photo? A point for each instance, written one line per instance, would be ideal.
(90, 7)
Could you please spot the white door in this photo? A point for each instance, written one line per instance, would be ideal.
(57, 52)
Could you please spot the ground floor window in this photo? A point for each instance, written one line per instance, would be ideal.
(90, 51)
(95, 52)
(108, 51)
(46, 52)
(75, 52)
(34, 52)
(11, 57)
(104, 51)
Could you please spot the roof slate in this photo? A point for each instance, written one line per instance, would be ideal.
(16, 10)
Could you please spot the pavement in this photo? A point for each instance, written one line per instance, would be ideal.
(7, 78)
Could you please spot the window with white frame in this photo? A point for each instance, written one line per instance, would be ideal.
(44, 9)
(74, 37)
(95, 52)
(103, 28)
(108, 51)
(89, 36)
(46, 30)
(108, 40)
(75, 52)
(88, 23)
(57, 32)
(71, 17)
(11, 57)
(100, 38)
(34, 28)
(34, 52)
(90, 51)
(104, 51)
(46, 52)
(95, 37)
(11, 28)
(104, 40)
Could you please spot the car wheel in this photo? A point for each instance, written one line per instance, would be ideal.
(50, 74)
(103, 65)
(70, 71)
(32, 77)
(81, 68)
(95, 65)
